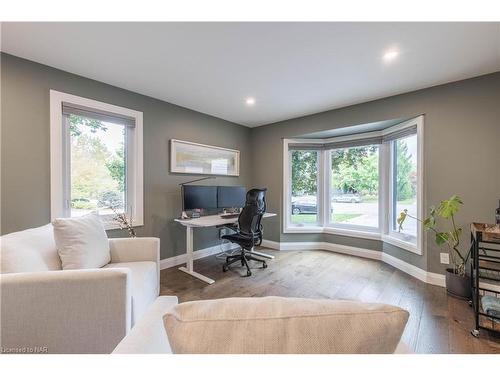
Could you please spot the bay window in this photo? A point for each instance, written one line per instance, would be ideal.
(357, 185)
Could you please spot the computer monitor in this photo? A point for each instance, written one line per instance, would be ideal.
(231, 196)
(199, 197)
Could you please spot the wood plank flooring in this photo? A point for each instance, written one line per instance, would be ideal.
(437, 324)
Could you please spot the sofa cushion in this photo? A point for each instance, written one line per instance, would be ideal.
(81, 242)
(144, 288)
(275, 325)
(30, 250)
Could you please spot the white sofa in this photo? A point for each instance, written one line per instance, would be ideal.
(149, 337)
(45, 308)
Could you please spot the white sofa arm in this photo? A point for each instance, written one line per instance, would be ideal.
(71, 311)
(148, 336)
(137, 249)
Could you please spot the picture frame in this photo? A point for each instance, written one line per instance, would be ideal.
(196, 158)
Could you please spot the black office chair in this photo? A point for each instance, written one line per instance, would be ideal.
(249, 231)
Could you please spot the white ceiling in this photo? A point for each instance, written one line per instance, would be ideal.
(291, 69)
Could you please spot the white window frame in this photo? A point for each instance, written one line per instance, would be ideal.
(382, 232)
(389, 235)
(59, 163)
(287, 167)
(338, 228)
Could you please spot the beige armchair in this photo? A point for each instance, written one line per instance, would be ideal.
(46, 309)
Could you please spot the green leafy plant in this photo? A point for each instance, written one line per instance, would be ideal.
(447, 210)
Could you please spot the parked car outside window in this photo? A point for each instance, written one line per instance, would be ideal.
(304, 204)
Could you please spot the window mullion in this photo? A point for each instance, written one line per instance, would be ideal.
(130, 170)
(323, 189)
(327, 187)
(66, 168)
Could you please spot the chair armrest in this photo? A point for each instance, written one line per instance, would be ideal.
(137, 249)
(69, 311)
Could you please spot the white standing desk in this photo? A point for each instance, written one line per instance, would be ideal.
(205, 222)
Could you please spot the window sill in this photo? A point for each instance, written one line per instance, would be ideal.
(331, 230)
(402, 244)
(111, 225)
(357, 234)
(353, 233)
(304, 229)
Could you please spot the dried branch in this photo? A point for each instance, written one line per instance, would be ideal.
(124, 222)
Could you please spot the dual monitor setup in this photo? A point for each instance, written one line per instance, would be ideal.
(197, 197)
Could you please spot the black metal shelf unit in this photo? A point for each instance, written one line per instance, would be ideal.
(485, 275)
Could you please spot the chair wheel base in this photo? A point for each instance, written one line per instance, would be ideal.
(249, 273)
(264, 265)
(224, 268)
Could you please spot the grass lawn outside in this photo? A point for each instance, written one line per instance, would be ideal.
(311, 218)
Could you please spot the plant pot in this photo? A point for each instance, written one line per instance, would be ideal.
(458, 286)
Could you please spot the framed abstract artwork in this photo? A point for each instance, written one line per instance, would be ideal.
(195, 158)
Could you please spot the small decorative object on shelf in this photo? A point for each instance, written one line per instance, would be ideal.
(457, 280)
(485, 273)
(124, 222)
(497, 214)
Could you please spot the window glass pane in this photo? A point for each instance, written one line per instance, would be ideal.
(354, 186)
(304, 189)
(97, 181)
(405, 184)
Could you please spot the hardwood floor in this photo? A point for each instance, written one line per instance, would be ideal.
(437, 324)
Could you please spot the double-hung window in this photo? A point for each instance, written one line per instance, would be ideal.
(354, 187)
(404, 186)
(305, 187)
(357, 185)
(96, 159)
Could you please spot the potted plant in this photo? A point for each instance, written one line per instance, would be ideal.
(457, 280)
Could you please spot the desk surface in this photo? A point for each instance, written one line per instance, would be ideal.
(212, 220)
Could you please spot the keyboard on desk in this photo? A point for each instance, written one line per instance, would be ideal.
(229, 216)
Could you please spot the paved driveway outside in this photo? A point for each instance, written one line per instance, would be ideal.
(368, 212)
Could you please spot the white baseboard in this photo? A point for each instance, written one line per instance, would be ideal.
(271, 244)
(436, 279)
(198, 254)
(410, 269)
(426, 277)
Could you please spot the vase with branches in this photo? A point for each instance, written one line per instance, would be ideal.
(124, 222)
(447, 209)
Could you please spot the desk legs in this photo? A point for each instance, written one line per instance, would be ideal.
(189, 258)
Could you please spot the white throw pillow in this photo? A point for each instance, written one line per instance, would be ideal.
(277, 325)
(81, 242)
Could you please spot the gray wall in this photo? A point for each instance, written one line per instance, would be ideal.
(462, 154)
(25, 185)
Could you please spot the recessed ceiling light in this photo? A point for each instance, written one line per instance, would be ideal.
(390, 55)
(250, 101)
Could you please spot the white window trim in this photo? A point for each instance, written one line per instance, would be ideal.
(338, 228)
(135, 180)
(383, 230)
(287, 201)
(386, 235)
